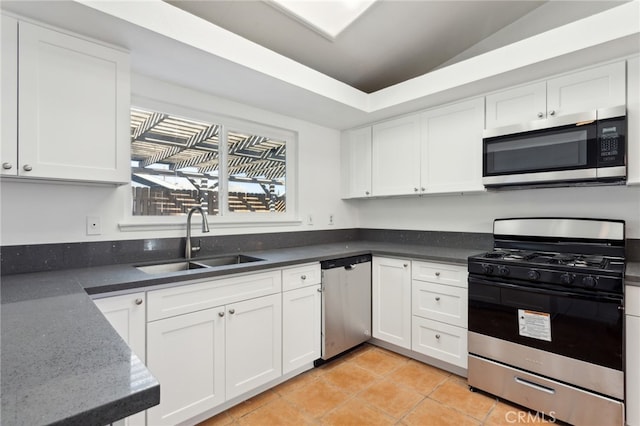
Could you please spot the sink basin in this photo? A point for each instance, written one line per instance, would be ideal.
(163, 268)
(213, 262)
(225, 260)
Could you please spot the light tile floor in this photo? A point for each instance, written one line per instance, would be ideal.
(372, 386)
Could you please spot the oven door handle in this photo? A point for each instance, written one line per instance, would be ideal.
(546, 291)
(535, 386)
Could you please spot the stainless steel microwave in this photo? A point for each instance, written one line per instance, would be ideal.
(574, 149)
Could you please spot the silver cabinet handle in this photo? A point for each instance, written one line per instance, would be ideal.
(405, 265)
(437, 274)
(138, 301)
(437, 336)
(319, 290)
(303, 277)
(7, 166)
(27, 168)
(540, 115)
(221, 314)
(437, 298)
(366, 193)
(552, 112)
(423, 189)
(232, 311)
(415, 189)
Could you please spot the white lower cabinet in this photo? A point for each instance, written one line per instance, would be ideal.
(301, 316)
(186, 355)
(632, 373)
(253, 343)
(391, 304)
(126, 314)
(439, 309)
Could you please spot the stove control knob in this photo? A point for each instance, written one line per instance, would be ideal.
(503, 270)
(487, 269)
(533, 275)
(589, 281)
(567, 278)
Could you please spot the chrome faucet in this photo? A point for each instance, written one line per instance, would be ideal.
(205, 228)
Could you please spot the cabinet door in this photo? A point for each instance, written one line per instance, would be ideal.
(300, 327)
(73, 109)
(254, 343)
(396, 157)
(391, 313)
(632, 375)
(587, 90)
(356, 163)
(451, 150)
(126, 314)
(9, 92)
(518, 105)
(186, 355)
(633, 121)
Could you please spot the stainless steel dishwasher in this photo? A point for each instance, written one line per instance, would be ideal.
(346, 304)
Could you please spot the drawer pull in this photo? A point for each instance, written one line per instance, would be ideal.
(437, 298)
(437, 336)
(534, 385)
(221, 314)
(303, 277)
(437, 274)
(232, 311)
(138, 301)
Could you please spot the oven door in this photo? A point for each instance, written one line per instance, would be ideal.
(559, 154)
(571, 323)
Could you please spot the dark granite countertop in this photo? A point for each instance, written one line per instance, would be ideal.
(62, 363)
(632, 273)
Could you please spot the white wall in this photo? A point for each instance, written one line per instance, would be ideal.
(35, 212)
(475, 213)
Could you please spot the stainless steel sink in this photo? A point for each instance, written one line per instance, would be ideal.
(214, 262)
(225, 260)
(163, 268)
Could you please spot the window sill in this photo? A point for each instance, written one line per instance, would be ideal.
(174, 224)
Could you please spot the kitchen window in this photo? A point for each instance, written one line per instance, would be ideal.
(232, 169)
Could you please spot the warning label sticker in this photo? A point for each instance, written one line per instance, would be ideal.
(534, 324)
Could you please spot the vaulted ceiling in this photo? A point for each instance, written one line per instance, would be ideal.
(393, 40)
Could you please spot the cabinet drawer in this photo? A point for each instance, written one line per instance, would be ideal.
(442, 341)
(439, 302)
(208, 294)
(632, 300)
(300, 276)
(442, 273)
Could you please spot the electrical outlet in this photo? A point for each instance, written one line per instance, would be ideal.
(93, 225)
(331, 219)
(310, 220)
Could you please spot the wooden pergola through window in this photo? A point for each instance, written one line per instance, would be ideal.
(166, 146)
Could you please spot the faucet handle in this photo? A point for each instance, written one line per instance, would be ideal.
(196, 248)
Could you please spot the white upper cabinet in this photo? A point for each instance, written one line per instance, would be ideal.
(9, 91)
(586, 90)
(451, 151)
(633, 121)
(356, 163)
(396, 156)
(591, 89)
(519, 105)
(73, 108)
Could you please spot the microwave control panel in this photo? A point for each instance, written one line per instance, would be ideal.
(611, 142)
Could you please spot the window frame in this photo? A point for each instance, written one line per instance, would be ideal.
(225, 217)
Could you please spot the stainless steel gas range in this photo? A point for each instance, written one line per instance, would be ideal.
(546, 318)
